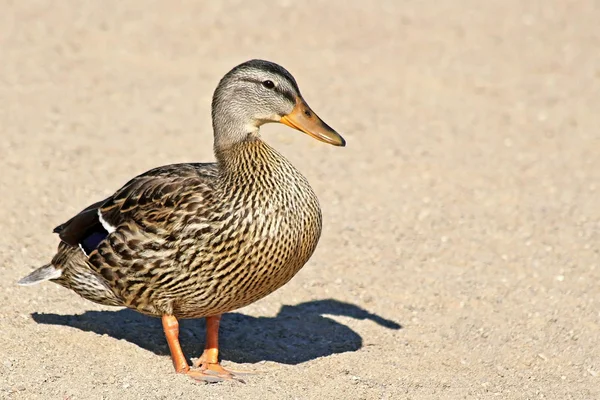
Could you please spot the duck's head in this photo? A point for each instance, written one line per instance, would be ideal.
(258, 92)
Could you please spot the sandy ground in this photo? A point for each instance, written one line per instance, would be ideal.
(460, 256)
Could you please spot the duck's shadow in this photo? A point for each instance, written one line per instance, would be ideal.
(297, 334)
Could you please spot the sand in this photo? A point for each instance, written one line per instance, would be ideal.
(460, 256)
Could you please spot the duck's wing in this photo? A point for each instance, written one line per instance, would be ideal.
(72, 231)
(147, 201)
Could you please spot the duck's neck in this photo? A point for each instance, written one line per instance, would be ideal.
(252, 161)
(231, 122)
(229, 133)
(245, 155)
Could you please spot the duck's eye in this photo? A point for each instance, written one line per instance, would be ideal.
(268, 84)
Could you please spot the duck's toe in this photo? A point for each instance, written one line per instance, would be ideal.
(213, 373)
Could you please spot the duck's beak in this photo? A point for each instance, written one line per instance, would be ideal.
(305, 120)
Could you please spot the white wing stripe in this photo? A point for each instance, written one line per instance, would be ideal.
(109, 228)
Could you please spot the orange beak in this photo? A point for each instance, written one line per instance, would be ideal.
(305, 120)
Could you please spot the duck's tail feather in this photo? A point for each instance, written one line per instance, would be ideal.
(41, 274)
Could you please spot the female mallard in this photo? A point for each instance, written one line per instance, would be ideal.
(199, 240)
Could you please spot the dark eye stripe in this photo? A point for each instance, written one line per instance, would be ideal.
(288, 95)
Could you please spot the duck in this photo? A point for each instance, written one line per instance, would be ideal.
(197, 240)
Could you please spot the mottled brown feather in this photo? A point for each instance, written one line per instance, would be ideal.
(195, 240)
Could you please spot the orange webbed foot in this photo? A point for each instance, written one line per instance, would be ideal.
(207, 367)
(212, 373)
(207, 371)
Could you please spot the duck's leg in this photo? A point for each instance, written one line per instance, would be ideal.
(171, 328)
(208, 365)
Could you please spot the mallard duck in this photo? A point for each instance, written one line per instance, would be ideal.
(201, 239)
